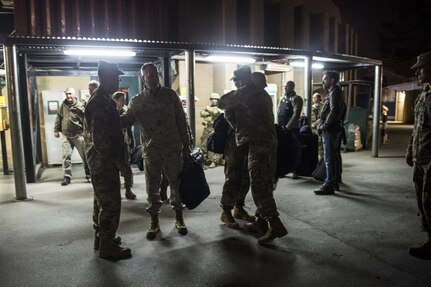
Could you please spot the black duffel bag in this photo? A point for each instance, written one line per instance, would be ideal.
(193, 184)
(320, 172)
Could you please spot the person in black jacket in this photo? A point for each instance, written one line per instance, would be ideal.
(330, 127)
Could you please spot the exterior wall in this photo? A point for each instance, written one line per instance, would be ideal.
(216, 21)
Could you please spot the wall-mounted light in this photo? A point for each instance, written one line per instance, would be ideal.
(301, 64)
(230, 59)
(100, 52)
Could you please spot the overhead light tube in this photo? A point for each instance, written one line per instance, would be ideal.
(99, 52)
(301, 64)
(230, 59)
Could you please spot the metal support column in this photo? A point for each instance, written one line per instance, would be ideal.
(190, 79)
(10, 57)
(308, 85)
(4, 153)
(167, 71)
(26, 126)
(376, 113)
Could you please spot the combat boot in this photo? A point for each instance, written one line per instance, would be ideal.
(241, 213)
(422, 252)
(260, 226)
(109, 250)
(116, 240)
(129, 193)
(276, 229)
(179, 222)
(227, 218)
(154, 227)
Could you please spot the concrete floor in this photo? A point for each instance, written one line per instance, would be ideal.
(358, 237)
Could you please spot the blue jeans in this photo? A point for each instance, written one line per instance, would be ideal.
(332, 157)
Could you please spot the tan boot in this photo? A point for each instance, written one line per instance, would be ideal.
(179, 222)
(109, 250)
(154, 227)
(228, 220)
(260, 226)
(241, 213)
(276, 229)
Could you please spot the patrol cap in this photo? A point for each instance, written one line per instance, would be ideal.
(423, 59)
(241, 73)
(108, 68)
(215, 96)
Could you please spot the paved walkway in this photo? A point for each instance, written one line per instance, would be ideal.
(358, 237)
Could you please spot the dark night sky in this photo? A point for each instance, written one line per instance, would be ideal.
(366, 17)
(410, 25)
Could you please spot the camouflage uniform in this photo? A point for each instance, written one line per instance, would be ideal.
(249, 111)
(164, 132)
(237, 183)
(127, 145)
(103, 137)
(315, 116)
(70, 124)
(208, 115)
(419, 150)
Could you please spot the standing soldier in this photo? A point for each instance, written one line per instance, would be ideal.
(128, 144)
(103, 142)
(418, 152)
(69, 122)
(289, 111)
(249, 111)
(165, 140)
(208, 115)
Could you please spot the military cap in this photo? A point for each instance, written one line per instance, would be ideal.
(107, 67)
(423, 59)
(241, 73)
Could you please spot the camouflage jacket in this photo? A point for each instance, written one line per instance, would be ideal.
(161, 118)
(420, 141)
(68, 123)
(102, 130)
(208, 115)
(249, 111)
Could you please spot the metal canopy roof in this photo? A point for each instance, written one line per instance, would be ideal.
(46, 53)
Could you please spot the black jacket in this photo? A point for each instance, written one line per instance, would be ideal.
(331, 115)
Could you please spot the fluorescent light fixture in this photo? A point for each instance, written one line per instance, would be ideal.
(100, 52)
(277, 68)
(230, 59)
(301, 64)
(317, 66)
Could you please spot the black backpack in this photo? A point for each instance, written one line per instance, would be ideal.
(217, 139)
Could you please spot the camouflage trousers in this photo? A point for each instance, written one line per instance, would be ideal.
(171, 162)
(237, 181)
(68, 144)
(209, 156)
(128, 179)
(107, 199)
(423, 195)
(261, 168)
